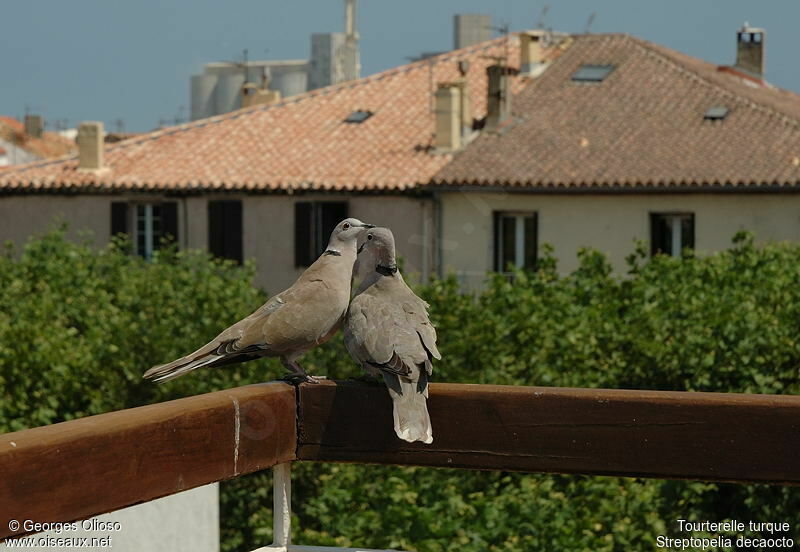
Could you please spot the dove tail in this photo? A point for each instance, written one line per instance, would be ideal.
(409, 399)
(177, 368)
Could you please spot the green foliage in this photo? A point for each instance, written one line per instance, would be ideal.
(79, 326)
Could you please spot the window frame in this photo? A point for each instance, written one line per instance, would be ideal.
(676, 230)
(521, 253)
(125, 220)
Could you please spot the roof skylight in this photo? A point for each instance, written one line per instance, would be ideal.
(358, 117)
(592, 73)
(716, 113)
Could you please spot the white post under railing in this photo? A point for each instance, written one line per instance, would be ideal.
(282, 505)
(282, 518)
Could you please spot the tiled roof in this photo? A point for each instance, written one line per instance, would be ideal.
(48, 146)
(300, 143)
(642, 127)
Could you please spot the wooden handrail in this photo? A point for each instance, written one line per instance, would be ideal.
(94, 465)
(77, 469)
(662, 434)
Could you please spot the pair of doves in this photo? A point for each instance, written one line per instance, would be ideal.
(386, 327)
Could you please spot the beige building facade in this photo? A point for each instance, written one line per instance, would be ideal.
(268, 224)
(610, 223)
(457, 237)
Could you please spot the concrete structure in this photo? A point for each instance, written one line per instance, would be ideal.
(448, 117)
(34, 125)
(334, 59)
(470, 28)
(751, 50)
(335, 56)
(90, 146)
(499, 100)
(219, 88)
(187, 521)
(533, 45)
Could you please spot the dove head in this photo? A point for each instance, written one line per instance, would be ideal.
(346, 233)
(379, 244)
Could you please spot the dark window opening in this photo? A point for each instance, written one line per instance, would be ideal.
(515, 238)
(313, 223)
(225, 229)
(671, 233)
(149, 225)
(592, 73)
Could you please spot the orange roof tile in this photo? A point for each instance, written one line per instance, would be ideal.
(299, 143)
(643, 127)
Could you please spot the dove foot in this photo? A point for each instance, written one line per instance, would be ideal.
(297, 375)
(297, 379)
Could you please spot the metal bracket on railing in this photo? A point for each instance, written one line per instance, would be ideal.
(282, 518)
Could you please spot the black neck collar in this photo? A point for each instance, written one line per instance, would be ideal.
(386, 270)
(332, 252)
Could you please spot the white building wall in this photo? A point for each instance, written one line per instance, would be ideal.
(183, 522)
(15, 155)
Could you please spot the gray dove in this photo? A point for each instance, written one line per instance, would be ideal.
(388, 333)
(290, 323)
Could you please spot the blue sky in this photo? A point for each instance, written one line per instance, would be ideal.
(110, 60)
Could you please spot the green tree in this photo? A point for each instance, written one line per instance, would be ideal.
(79, 325)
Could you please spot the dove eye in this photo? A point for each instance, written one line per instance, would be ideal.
(345, 226)
(369, 236)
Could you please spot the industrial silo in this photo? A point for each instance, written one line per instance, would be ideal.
(228, 94)
(290, 79)
(202, 96)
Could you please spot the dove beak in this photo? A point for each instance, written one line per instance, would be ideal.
(365, 225)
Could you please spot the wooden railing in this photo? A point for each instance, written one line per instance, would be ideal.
(77, 469)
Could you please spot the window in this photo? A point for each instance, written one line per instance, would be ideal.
(148, 224)
(313, 223)
(225, 229)
(671, 233)
(592, 73)
(515, 239)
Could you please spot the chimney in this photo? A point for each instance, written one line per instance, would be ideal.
(448, 117)
(466, 109)
(498, 109)
(532, 45)
(34, 125)
(90, 146)
(750, 50)
(253, 95)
